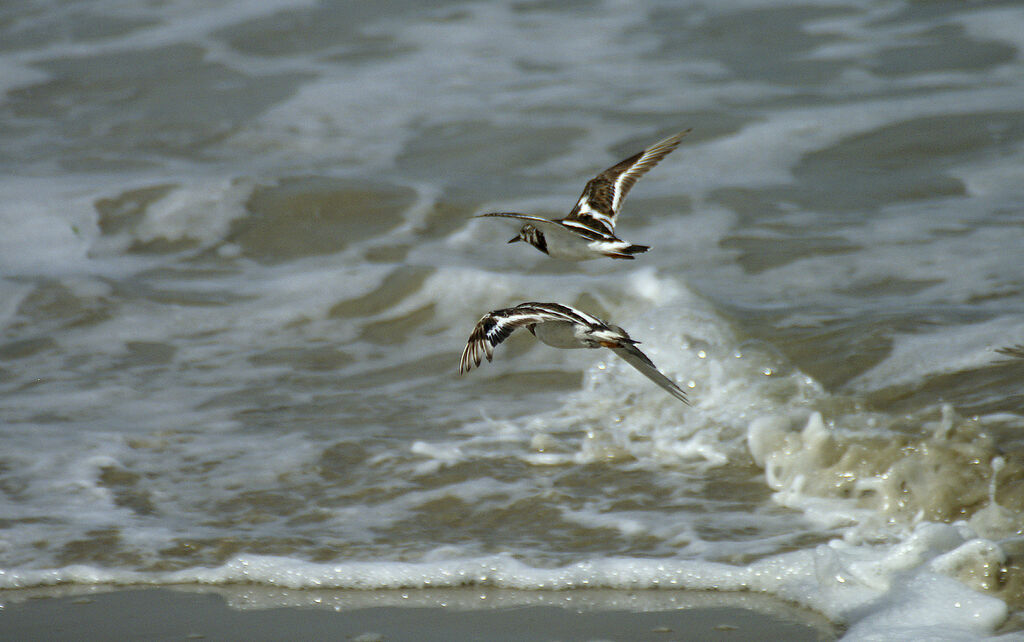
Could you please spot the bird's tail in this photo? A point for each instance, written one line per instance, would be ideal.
(628, 251)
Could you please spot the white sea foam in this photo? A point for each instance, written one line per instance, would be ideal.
(42, 238)
(259, 413)
(200, 210)
(916, 357)
(900, 595)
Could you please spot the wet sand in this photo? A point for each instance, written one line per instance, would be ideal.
(238, 613)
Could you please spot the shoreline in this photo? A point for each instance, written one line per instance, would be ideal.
(256, 612)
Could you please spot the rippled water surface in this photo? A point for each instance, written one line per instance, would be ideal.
(239, 266)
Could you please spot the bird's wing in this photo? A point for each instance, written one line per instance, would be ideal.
(1013, 351)
(634, 357)
(549, 226)
(494, 327)
(603, 195)
(516, 215)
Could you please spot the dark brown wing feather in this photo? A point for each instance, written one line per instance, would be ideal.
(603, 195)
(494, 327)
(1013, 351)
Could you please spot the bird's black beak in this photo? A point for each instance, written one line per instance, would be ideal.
(518, 238)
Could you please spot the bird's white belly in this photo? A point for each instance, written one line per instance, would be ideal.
(568, 246)
(559, 334)
(563, 244)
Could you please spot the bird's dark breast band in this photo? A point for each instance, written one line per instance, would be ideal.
(541, 243)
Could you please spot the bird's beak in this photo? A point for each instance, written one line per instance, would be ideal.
(518, 238)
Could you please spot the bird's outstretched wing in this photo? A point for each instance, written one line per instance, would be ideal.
(1013, 351)
(547, 225)
(634, 357)
(516, 215)
(494, 327)
(603, 195)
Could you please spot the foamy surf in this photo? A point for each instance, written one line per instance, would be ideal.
(230, 325)
(894, 592)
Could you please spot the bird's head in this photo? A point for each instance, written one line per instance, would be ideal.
(527, 233)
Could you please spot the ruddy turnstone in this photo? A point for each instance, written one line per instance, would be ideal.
(588, 232)
(562, 327)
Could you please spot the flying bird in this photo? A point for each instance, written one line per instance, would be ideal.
(588, 232)
(560, 326)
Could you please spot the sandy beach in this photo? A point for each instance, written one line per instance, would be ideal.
(466, 614)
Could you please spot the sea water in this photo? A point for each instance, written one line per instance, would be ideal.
(239, 266)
